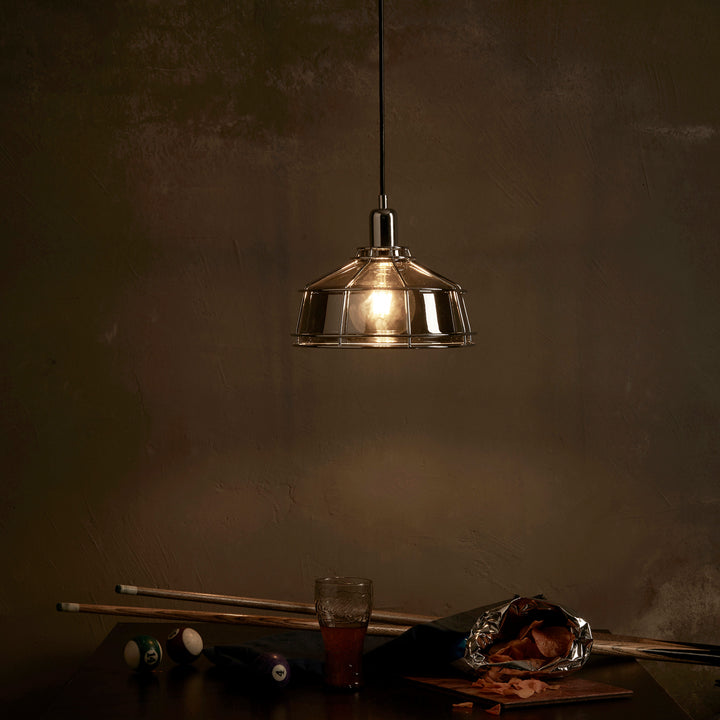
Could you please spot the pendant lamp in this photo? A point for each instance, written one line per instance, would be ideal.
(383, 298)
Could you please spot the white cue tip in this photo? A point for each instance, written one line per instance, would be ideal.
(126, 589)
(68, 607)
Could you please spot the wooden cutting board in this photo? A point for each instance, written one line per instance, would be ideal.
(567, 690)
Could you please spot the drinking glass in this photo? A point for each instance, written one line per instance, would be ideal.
(343, 606)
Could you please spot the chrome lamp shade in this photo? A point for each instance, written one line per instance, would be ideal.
(383, 298)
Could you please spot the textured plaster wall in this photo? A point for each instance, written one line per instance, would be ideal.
(172, 172)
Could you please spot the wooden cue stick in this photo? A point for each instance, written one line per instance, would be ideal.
(284, 605)
(603, 643)
(226, 618)
(648, 649)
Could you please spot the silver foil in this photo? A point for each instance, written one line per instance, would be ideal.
(488, 629)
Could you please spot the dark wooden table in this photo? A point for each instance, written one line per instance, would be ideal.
(105, 689)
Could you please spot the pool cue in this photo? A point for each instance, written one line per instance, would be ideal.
(382, 616)
(648, 649)
(276, 621)
(603, 643)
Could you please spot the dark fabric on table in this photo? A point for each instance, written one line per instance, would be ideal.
(426, 649)
(303, 649)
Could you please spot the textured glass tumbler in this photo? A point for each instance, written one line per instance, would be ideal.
(343, 606)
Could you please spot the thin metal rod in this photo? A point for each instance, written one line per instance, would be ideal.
(381, 92)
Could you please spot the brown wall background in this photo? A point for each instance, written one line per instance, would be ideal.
(173, 172)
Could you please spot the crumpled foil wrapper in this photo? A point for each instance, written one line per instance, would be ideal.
(499, 623)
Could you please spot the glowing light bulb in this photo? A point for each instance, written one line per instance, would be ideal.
(380, 302)
(378, 313)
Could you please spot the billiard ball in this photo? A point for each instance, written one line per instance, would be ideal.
(143, 653)
(184, 645)
(267, 669)
(272, 669)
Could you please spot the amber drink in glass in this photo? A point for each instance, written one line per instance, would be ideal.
(343, 606)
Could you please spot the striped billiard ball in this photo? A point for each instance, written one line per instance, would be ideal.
(143, 653)
(184, 645)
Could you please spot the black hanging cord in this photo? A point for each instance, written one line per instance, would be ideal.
(381, 84)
